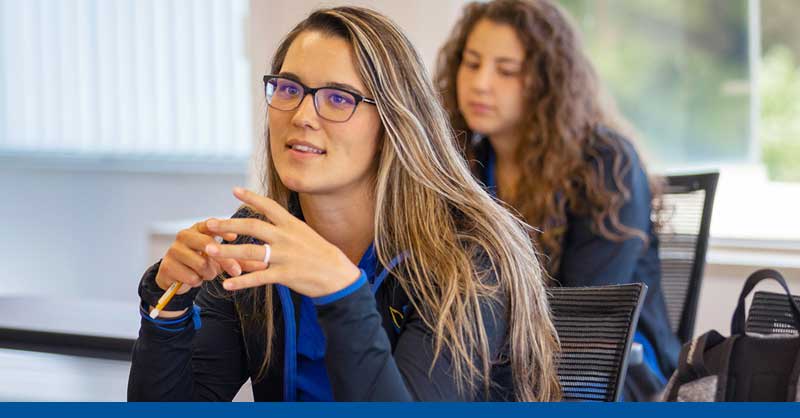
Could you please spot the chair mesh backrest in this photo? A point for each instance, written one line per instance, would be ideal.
(683, 240)
(770, 313)
(595, 326)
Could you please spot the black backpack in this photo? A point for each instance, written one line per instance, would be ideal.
(742, 367)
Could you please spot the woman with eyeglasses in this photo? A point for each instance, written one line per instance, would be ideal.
(513, 76)
(375, 268)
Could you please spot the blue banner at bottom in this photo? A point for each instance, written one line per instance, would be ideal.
(400, 410)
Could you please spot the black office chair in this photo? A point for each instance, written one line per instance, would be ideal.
(595, 326)
(770, 313)
(688, 201)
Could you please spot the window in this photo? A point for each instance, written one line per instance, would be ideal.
(780, 89)
(679, 71)
(124, 78)
(711, 83)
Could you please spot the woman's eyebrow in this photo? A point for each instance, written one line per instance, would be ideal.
(499, 60)
(507, 60)
(343, 86)
(289, 75)
(472, 52)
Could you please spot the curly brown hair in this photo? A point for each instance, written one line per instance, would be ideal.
(568, 125)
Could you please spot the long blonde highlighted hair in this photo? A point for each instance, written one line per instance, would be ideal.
(428, 204)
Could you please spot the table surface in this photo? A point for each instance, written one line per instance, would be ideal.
(98, 318)
(31, 376)
(44, 376)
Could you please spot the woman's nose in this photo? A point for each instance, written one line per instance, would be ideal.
(482, 79)
(306, 114)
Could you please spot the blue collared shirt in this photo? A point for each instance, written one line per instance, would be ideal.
(312, 378)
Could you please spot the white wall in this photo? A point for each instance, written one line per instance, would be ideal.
(72, 232)
(725, 274)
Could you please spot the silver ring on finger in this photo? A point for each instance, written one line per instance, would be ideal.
(267, 253)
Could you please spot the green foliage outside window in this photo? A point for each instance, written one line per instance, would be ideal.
(679, 70)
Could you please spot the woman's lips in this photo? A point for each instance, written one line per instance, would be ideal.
(480, 108)
(304, 151)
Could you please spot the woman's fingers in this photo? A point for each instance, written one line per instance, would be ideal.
(258, 278)
(250, 252)
(241, 265)
(189, 257)
(230, 237)
(232, 267)
(214, 264)
(253, 227)
(194, 238)
(172, 270)
(203, 229)
(276, 213)
(197, 240)
(250, 265)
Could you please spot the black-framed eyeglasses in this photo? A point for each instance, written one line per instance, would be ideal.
(331, 103)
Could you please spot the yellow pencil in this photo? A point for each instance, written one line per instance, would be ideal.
(165, 298)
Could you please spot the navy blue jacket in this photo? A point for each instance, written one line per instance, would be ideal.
(377, 348)
(588, 259)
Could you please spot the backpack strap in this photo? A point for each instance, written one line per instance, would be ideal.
(738, 320)
(691, 364)
(724, 370)
(793, 394)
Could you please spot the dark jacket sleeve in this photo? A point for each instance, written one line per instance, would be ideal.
(181, 363)
(589, 259)
(178, 362)
(362, 367)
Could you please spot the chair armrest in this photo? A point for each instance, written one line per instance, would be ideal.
(636, 356)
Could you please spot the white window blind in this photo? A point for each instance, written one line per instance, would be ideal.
(143, 78)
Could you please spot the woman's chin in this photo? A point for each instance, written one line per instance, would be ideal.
(297, 185)
(485, 128)
(305, 185)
